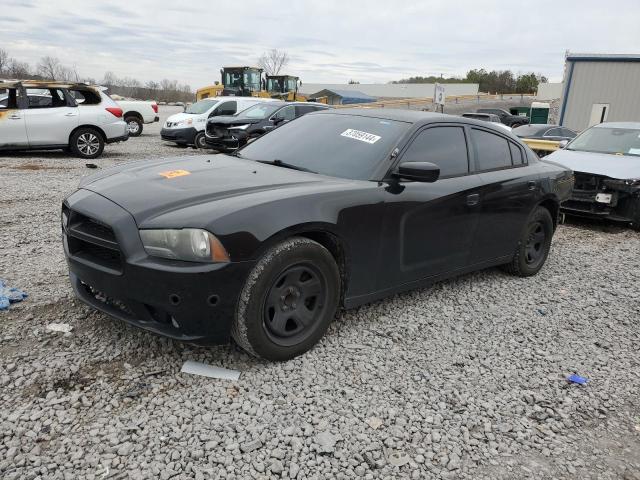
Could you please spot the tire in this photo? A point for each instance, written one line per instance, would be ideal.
(534, 244)
(288, 301)
(134, 125)
(86, 143)
(200, 141)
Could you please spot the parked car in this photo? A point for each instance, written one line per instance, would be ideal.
(137, 113)
(487, 117)
(187, 128)
(333, 210)
(227, 133)
(505, 117)
(54, 115)
(545, 131)
(606, 162)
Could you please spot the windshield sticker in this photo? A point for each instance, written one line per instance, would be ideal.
(362, 136)
(634, 151)
(174, 173)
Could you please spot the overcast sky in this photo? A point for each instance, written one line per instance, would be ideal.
(331, 41)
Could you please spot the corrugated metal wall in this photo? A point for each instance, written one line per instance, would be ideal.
(615, 83)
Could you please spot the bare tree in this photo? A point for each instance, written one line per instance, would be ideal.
(19, 69)
(50, 68)
(273, 61)
(4, 60)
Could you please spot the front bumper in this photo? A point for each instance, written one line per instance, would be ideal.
(110, 271)
(231, 140)
(623, 205)
(179, 135)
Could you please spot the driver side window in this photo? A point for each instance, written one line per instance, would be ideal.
(225, 108)
(286, 113)
(444, 146)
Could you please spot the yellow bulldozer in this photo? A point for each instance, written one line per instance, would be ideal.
(248, 82)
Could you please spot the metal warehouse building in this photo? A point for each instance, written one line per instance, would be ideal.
(600, 88)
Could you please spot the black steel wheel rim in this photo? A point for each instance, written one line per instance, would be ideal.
(534, 249)
(294, 304)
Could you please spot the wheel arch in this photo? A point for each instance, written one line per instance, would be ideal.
(325, 236)
(553, 206)
(92, 127)
(133, 113)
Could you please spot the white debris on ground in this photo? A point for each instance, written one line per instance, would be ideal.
(467, 379)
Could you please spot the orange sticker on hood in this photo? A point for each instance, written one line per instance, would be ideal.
(174, 173)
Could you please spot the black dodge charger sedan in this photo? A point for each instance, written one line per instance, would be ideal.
(332, 210)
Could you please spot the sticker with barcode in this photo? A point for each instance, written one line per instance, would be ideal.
(362, 136)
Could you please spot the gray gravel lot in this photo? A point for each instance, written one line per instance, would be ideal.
(461, 380)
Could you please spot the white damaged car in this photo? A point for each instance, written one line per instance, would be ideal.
(188, 127)
(606, 164)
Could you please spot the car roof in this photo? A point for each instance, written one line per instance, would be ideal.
(632, 125)
(46, 84)
(409, 116)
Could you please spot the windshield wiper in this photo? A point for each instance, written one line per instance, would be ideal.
(280, 163)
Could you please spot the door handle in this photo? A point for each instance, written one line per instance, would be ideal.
(532, 184)
(15, 117)
(70, 114)
(473, 199)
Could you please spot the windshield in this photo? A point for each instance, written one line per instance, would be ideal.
(344, 146)
(618, 141)
(200, 107)
(530, 130)
(274, 85)
(260, 110)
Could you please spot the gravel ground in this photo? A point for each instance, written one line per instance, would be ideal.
(461, 380)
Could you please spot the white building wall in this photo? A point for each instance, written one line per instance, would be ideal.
(394, 90)
(549, 91)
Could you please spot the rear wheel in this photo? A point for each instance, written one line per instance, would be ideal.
(288, 301)
(534, 245)
(86, 143)
(134, 125)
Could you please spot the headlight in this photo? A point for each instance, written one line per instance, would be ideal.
(187, 244)
(185, 122)
(239, 127)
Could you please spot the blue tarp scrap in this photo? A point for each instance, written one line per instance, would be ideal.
(10, 295)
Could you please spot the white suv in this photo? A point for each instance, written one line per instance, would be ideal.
(36, 115)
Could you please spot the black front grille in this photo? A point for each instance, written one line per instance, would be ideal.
(91, 241)
(585, 182)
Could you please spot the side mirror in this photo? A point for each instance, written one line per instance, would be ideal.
(563, 144)
(278, 120)
(418, 171)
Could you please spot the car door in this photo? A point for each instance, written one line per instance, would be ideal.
(508, 194)
(50, 117)
(429, 227)
(13, 132)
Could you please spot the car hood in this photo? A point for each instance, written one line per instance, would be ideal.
(233, 120)
(182, 116)
(613, 166)
(150, 189)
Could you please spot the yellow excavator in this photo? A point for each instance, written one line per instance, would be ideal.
(285, 87)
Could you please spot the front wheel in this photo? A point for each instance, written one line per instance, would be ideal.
(200, 141)
(86, 143)
(134, 125)
(288, 301)
(534, 244)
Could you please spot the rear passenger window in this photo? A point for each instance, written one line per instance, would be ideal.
(492, 151)
(46, 98)
(444, 146)
(516, 154)
(303, 109)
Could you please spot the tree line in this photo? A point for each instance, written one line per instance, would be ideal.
(495, 81)
(51, 68)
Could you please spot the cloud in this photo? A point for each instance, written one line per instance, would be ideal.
(332, 41)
